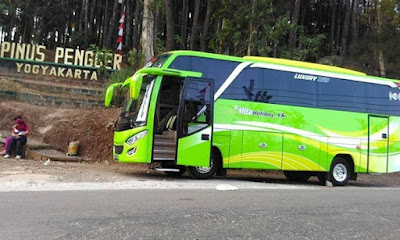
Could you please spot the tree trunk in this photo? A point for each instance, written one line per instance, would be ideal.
(252, 28)
(339, 27)
(223, 48)
(354, 22)
(128, 25)
(345, 33)
(379, 19)
(193, 36)
(99, 22)
(12, 24)
(105, 25)
(217, 33)
(203, 38)
(147, 30)
(294, 20)
(157, 29)
(86, 21)
(112, 27)
(81, 16)
(275, 51)
(321, 19)
(332, 30)
(91, 28)
(305, 4)
(183, 22)
(28, 27)
(138, 11)
(170, 44)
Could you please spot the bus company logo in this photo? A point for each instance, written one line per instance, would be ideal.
(247, 111)
(305, 77)
(311, 78)
(323, 79)
(394, 96)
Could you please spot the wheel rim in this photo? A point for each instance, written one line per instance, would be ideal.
(204, 170)
(340, 172)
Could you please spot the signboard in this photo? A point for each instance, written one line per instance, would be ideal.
(64, 62)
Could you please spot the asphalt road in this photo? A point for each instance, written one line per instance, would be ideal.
(320, 213)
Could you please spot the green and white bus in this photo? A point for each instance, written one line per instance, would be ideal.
(206, 113)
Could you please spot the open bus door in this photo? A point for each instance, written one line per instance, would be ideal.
(195, 123)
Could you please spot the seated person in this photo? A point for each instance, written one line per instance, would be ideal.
(18, 139)
(9, 138)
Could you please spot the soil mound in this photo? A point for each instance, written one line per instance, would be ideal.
(93, 128)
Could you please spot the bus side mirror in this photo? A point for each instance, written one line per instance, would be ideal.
(110, 93)
(135, 86)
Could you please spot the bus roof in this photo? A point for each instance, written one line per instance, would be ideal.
(283, 62)
(308, 65)
(279, 61)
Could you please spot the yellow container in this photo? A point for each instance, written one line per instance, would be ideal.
(73, 148)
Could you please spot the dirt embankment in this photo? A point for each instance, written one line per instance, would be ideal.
(93, 128)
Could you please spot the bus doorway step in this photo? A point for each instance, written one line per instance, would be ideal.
(167, 169)
(172, 171)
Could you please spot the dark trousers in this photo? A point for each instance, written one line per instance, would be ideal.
(18, 143)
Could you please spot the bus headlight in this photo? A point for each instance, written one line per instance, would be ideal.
(136, 137)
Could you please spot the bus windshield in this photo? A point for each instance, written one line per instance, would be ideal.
(158, 61)
(130, 117)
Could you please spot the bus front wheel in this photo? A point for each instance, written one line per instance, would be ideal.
(296, 176)
(204, 172)
(340, 172)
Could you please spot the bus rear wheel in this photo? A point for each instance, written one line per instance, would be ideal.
(296, 176)
(204, 172)
(340, 172)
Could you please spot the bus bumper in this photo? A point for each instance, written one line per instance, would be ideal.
(132, 146)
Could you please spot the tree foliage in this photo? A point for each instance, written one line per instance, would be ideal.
(359, 34)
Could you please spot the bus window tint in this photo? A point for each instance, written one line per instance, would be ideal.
(271, 86)
(252, 84)
(216, 69)
(158, 61)
(294, 91)
(245, 86)
(196, 110)
(342, 95)
(379, 100)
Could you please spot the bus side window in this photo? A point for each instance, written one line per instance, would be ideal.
(255, 85)
(195, 117)
(243, 87)
(216, 69)
(197, 97)
(265, 97)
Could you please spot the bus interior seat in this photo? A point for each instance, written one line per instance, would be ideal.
(162, 124)
(167, 105)
(171, 124)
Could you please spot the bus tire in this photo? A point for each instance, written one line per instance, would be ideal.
(182, 170)
(297, 176)
(204, 172)
(340, 172)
